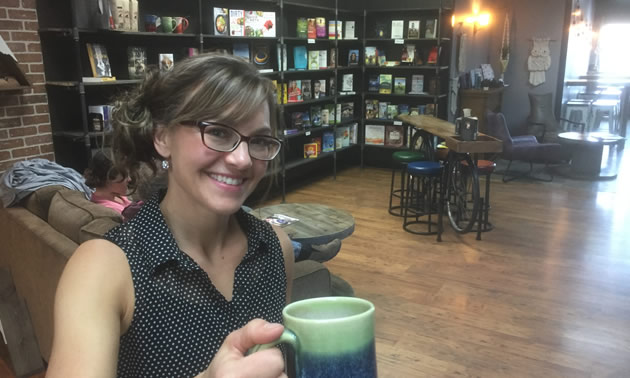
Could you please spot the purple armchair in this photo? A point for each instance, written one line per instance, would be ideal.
(524, 148)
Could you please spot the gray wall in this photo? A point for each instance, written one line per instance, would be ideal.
(532, 18)
(611, 11)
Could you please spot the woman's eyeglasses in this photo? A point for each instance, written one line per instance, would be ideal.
(222, 138)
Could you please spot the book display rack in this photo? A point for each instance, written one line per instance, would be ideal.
(334, 63)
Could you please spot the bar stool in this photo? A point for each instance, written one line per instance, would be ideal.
(401, 158)
(485, 168)
(608, 108)
(422, 198)
(578, 110)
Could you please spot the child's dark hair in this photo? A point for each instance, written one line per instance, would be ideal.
(100, 170)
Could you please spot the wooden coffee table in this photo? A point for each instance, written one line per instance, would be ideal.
(318, 224)
(586, 154)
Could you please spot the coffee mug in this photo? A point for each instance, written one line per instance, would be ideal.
(151, 22)
(467, 112)
(181, 24)
(168, 24)
(331, 337)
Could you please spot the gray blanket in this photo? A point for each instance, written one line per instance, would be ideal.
(27, 176)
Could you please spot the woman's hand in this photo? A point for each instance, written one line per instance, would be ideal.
(231, 361)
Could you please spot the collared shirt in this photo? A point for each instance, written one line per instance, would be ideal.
(180, 319)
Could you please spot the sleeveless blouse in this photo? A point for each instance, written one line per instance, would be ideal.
(180, 319)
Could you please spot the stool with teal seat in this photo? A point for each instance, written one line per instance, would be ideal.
(423, 198)
(401, 159)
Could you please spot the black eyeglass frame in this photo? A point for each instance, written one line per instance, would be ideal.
(202, 127)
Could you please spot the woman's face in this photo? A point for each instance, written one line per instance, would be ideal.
(217, 181)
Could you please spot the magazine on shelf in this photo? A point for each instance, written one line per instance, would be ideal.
(99, 61)
(353, 57)
(323, 59)
(300, 57)
(237, 22)
(413, 30)
(430, 28)
(394, 136)
(136, 62)
(400, 85)
(311, 151)
(310, 28)
(408, 54)
(397, 29)
(313, 60)
(306, 90)
(385, 83)
(261, 57)
(320, 27)
(319, 88)
(328, 141)
(347, 84)
(375, 135)
(371, 109)
(295, 91)
(370, 56)
(260, 24)
(349, 30)
(220, 21)
(417, 84)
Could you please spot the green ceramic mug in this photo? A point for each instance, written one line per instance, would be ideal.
(168, 24)
(331, 337)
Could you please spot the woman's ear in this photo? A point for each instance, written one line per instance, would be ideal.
(161, 141)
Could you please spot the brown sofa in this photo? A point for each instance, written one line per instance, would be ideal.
(38, 237)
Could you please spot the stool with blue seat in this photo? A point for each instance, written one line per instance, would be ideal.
(422, 198)
(401, 159)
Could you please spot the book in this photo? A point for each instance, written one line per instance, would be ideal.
(167, 62)
(310, 151)
(220, 21)
(413, 29)
(313, 60)
(403, 109)
(237, 22)
(241, 49)
(371, 109)
(349, 30)
(380, 29)
(394, 136)
(297, 121)
(325, 115)
(328, 141)
(316, 115)
(260, 24)
(301, 29)
(136, 62)
(332, 86)
(381, 58)
(354, 133)
(397, 29)
(432, 58)
(193, 51)
(347, 84)
(295, 91)
(347, 111)
(417, 84)
(319, 88)
(320, 27)
(434, 86)
(400, 85)
(382, 109)
(385, 83)
(261, 57)
(373, 83)
(276, 92)
(408, 54)
(370, 56)
(299, 57)
(353, 57)
(318, 141)
(338, 113)
(133, 15)
(332, 58)
(375, 135)
(392, 111)
(344, 134)
(119, 12)
(99, 61)
(323, 59)
(306, 90)
(332, 32)
(310, 28)
(430, 28)
(338, 139)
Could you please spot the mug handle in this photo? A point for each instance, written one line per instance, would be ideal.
(287, 337)
(184, 23)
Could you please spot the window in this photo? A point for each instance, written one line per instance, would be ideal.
(614, 58)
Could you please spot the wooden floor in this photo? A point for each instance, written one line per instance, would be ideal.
(545, 294)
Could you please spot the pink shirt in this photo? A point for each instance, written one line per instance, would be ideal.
(114, 205)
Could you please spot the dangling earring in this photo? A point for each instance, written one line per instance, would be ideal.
(165, 164)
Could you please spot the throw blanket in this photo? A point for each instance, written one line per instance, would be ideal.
(27, 176)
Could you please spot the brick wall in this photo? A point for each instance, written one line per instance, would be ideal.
(24, 120)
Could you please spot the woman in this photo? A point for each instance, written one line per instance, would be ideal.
(110, 186)
(177, 290)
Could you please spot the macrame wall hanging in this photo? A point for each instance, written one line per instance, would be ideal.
(539, 61)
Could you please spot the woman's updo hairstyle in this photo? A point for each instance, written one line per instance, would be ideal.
(218, 87)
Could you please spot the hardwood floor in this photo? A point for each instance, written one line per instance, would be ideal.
(545, 294)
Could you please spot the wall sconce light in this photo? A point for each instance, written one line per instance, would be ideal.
(477, 20)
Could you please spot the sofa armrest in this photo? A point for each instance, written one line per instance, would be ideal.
(310, 280)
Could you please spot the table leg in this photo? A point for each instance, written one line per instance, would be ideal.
(586, 159)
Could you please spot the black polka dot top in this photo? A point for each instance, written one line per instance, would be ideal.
(180, 319)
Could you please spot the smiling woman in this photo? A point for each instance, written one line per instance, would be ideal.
(175, 290)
